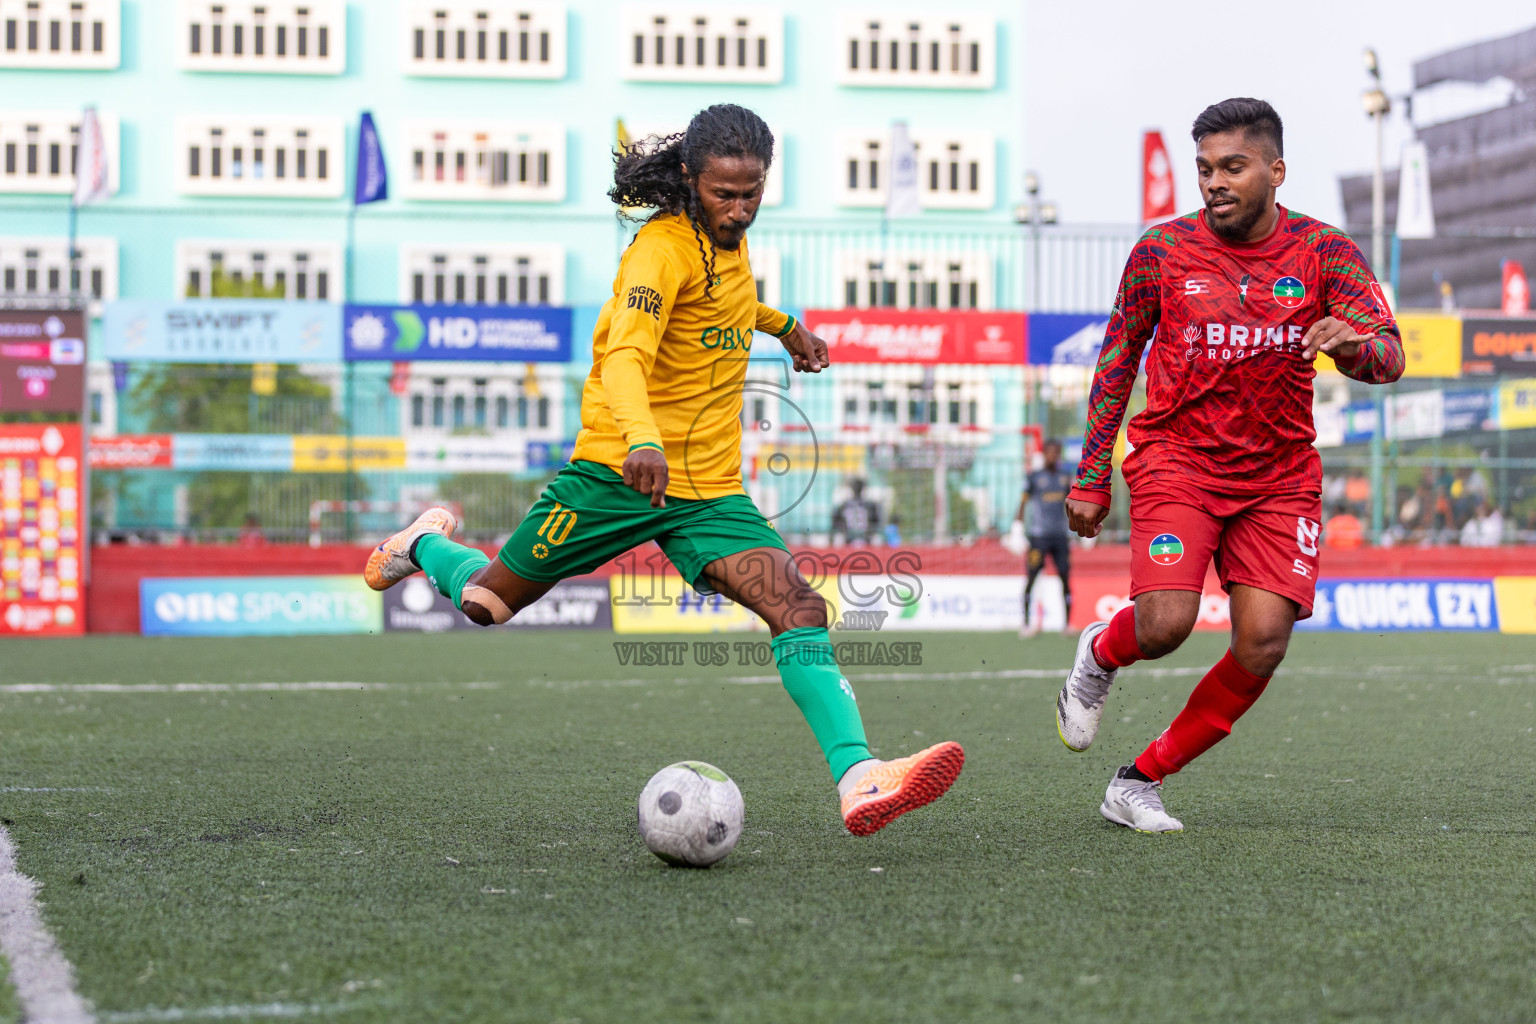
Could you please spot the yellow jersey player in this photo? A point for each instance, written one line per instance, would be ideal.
(659, 453)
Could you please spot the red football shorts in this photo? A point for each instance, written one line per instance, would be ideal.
(1261, 541)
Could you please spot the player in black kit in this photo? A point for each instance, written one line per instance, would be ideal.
(1045, 492)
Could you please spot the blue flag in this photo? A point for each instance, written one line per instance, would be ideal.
(372, 182)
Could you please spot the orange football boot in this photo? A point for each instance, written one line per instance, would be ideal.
(889, 790)
(390, 562)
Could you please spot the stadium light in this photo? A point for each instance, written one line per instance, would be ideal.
(1034, 213)
(1377, 106)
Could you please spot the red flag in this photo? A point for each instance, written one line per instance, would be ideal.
(1517, 290)
(1156, 179)
(400, 378)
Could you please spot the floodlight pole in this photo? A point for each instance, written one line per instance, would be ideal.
(1377, 107)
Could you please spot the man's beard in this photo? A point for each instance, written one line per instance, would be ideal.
(1237, 229)
(732, 246)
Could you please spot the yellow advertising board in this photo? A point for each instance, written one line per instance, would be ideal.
(1516, 596)
(1517, 404)
(662, 603)
(1431, 345)
(670, 606)
(327, 453)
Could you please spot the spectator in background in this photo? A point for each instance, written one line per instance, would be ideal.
(893, 531)
(857, 519)
(1343, 531)
(1357, 492)
(1333, 490)
(250, 534)
(1485, 529)
(1464, 500)
(1444, 517)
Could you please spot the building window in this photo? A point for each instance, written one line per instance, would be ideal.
(957, 170)
(209, 144)
(288, 270)
(680, 44)
(40, 150)
(519, 40)
(915, 280)
(938, 51)
(492, 160)
(489, 274)
(26, 20)
(37, 268)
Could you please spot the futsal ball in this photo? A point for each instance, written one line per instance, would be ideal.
(690, 814)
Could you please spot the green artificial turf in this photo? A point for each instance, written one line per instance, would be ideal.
(10, 1013)
(1360, 850)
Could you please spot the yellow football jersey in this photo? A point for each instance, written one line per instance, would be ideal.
(669, 361)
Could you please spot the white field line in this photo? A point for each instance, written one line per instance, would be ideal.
(1496, 672)
(222, 1012)
(187, 687)
(42, 978)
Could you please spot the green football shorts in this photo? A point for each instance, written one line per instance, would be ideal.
(587, 516)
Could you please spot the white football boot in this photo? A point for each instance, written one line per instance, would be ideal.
(1080, 705)
(1137, 804)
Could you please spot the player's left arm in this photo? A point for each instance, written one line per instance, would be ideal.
(807, 350)
(1357, 330)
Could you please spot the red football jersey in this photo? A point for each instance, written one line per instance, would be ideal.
(1229, 398)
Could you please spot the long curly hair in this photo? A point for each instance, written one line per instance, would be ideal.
(649, 173)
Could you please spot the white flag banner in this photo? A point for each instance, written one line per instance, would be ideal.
(92, 183)
(1415, 212)
(902, 198)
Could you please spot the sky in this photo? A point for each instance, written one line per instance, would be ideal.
(1097, 75)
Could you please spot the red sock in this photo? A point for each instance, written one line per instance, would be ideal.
(1116, 647)
(1220, 699)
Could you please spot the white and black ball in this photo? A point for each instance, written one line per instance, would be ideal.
(690, 814)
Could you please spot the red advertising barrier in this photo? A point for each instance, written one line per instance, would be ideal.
(40, 531)
(920, 336)
(131, 451)
(1100, 575)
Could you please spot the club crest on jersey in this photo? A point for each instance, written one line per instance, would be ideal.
(1290, 292)
(1191, 341)
(1383, 309)
(1166, 549)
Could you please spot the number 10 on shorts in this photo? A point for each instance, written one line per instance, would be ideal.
(557, 525)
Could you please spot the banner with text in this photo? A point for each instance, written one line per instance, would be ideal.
(258, 606)
(222, 331)
(42, 361)
(1498, 345)
(415, 606)
(519, 334)
(920, 336)
(1066, 339)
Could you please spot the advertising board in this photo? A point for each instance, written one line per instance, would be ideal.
(42, 537)
(258, 606)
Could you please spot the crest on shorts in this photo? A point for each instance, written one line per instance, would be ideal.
(1166, 549)
(1290, 292)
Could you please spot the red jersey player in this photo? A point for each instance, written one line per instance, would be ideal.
(1242, 296)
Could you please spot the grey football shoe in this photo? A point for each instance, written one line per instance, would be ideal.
(1137, 804)
(1080, 705)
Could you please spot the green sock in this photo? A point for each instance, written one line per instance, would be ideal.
(448, 565)
(816, 685)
